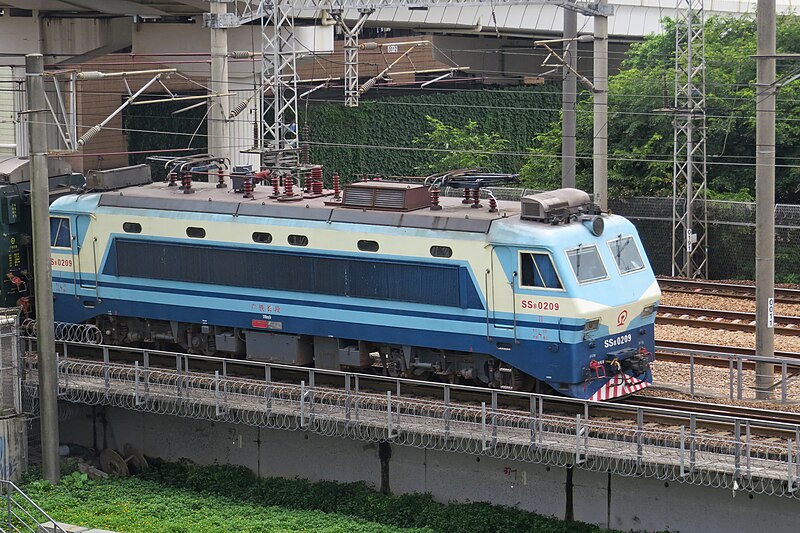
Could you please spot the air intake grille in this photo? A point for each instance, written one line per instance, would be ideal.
(385, 195)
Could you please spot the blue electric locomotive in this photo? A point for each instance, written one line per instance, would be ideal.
(512, 295)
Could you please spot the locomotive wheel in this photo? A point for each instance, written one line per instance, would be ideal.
(522, 382)
(393, 367)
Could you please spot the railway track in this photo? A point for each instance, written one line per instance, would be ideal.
(720, 319)
(699, 407)
(729, 290)
(709, 354)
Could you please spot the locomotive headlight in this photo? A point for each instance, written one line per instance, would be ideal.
(592, 324)
(650, 309)
(594, 223)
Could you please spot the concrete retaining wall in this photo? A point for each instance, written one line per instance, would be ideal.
(599, 498)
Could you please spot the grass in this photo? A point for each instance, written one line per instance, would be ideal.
(183, 497)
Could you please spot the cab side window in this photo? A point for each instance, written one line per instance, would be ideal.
(538, 271)
(59, 232)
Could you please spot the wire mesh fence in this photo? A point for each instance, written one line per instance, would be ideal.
(10, 394)
(731, 233)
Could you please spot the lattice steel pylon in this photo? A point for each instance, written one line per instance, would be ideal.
(351, 52)
(277, 131)
(689, 192)
(278, 135)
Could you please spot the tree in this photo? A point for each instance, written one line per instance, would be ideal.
(455, 147)
(640, 119)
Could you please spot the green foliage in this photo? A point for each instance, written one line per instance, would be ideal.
(641, 137)
(455, 147)
(154, 127)
(377, 136)
(177, 497)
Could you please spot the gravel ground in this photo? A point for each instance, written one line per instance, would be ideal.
(721, 302)
(672, 380)
(744, 339)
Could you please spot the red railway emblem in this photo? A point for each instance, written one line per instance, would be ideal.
(623, 316)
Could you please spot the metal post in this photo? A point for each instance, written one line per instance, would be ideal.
(737, 459)
(216, 391)
(578, 459)
(219, 142)
(639, 437)
(738, 377)
(692, 443)
(494, 418)
(730, 378)
(136, 384)
(569, 88)
(691, 374)
(601, 108)
(45, 335)
(540, 421)
(357, 395)
(388, 415)
(446, 412)
(683, 451)
(747, 449)
(302, 404)
(483, 426)
(268, 391)
(765, 194)
(347, 399)
(783, 381)
(533, 420)
(177, 380)
(146, 376)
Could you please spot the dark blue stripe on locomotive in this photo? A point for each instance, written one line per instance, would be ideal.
(557, 363)
(406, 281)
(89, 313)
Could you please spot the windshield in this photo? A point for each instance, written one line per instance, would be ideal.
(626, 254)
(586, 263)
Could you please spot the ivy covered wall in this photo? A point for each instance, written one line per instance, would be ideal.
(376, 137)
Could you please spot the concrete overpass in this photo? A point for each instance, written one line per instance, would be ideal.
(162, 32)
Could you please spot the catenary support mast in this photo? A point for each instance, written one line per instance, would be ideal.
(765, 194)
(43, 275)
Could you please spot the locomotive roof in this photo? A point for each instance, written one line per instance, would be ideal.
(207, 198)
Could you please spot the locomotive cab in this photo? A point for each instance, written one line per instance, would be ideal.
(581, 291)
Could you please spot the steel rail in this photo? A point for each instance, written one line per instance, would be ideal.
(713, 354)
(715, 409)
(728, 290)
(721, 319)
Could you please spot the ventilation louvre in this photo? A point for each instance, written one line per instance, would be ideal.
(556, 205)
(386, 196)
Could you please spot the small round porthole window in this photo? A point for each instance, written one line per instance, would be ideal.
(263, 238)
(298, 240)
(368, 246)
(131, 227)
(196, 233)
(441, 251)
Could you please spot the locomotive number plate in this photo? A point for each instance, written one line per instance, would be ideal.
(57, 261)
(541, 305)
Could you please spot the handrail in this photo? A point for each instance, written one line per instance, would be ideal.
(18, 518)
(434, 387)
